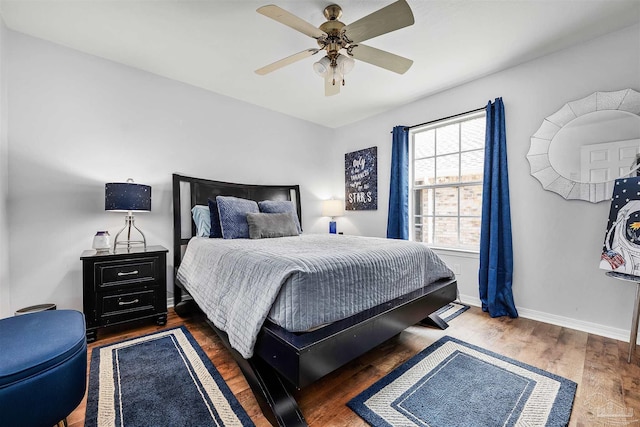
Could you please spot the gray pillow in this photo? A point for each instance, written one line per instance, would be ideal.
(265, 225)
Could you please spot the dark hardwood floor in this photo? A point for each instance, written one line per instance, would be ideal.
(608, 387)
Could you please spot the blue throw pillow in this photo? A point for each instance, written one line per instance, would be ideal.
(202, 220)
(216, 230)
(233, 216)
(281, 206)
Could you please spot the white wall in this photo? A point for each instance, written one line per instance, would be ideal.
(557, 243)
(78, 121)
(4, 179)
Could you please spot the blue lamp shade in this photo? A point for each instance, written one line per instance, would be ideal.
(127, 196)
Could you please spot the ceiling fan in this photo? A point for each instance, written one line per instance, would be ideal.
(342, 42)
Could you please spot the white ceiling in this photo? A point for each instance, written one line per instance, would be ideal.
(217, 45)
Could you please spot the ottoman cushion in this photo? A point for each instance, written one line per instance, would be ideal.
(35, 342)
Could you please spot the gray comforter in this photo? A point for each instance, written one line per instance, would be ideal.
(300, 282)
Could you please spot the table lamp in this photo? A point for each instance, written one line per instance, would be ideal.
(332, 208)
(127, 197)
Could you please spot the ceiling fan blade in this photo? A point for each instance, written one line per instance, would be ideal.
(286, 61)
(390, 18)
(290, 20)
(381, 58)
(331, 89)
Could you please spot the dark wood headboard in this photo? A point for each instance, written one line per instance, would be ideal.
(188, 192)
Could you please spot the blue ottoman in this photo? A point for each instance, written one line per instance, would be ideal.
(43, 367)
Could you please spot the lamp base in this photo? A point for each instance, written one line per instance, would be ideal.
(332, 227)
(128, 223)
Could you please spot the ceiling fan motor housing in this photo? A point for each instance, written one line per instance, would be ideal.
(334, 41)
(332, 12)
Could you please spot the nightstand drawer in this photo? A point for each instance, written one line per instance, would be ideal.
(127, 303)
(126, 271)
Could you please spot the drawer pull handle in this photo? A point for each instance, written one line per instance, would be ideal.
(128, 302)
(120, 273)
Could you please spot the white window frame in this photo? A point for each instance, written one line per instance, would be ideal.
(412, 187)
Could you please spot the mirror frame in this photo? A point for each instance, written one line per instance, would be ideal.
(538, 156)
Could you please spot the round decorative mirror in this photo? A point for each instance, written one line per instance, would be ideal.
(582, 148)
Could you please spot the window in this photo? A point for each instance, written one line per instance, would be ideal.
(447, 164)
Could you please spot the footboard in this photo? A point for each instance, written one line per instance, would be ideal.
(304, 358)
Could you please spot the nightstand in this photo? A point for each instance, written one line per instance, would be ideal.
(124, 286)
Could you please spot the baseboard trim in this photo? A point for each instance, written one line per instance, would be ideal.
(566, 322)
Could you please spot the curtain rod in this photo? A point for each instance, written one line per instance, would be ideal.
(445, 118)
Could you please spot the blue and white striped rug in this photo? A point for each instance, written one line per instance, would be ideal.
(451, 311)
(161, 379)
(452, 383)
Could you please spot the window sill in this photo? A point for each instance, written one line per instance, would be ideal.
(466, 253)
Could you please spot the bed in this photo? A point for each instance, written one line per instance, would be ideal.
(281, 360)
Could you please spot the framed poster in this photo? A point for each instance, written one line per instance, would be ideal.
(361, 180)
(621, 249)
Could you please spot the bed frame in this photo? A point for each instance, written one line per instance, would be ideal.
(285, 361)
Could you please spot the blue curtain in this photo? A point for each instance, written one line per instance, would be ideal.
(496, 250)
(398, 219)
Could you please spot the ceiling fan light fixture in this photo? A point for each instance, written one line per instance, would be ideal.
(322, 66)
(344, 64)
